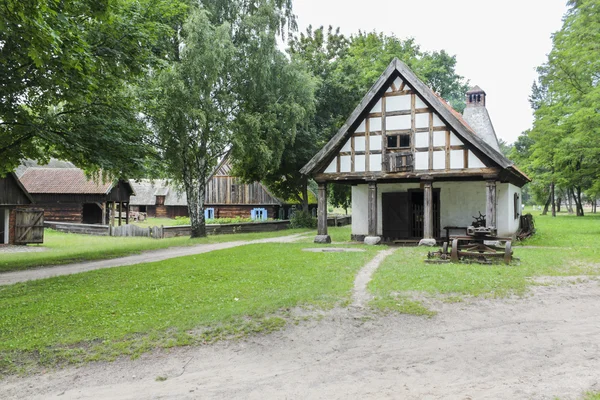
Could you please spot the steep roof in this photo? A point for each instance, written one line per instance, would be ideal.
(446, 113)
(12, 191)
(62, 181)
(475, 89)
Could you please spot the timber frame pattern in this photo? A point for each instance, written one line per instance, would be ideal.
(403, 132)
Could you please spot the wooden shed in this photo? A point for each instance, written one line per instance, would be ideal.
(68, 195)
(20, 223)
(226, 197)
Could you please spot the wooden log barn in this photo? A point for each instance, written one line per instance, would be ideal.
(419, 170)
(226, 197)
(68, 195)
(19, 222)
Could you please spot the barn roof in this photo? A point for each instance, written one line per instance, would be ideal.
(62, 181)
(444, 110)
(146, 191)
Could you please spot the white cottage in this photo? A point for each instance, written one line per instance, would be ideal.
(417, 166)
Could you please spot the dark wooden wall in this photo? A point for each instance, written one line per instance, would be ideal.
(63, 212)
(11, 193)
(230, 190)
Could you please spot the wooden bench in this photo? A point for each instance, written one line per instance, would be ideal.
(449, 228)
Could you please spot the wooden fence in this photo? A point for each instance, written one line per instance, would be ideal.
(162, 232)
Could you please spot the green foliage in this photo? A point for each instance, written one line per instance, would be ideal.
(340, 196)
(100, 315)
(566, 129)
(302, 219)
(222, 221)
(66, 69)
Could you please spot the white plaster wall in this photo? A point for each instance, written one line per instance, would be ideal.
(375, 162)
(460, 202)
(360, 206)
(397, 103)
(505, 217)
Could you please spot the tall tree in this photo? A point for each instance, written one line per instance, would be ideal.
(226, 87)
(65, 72)
(566, 129)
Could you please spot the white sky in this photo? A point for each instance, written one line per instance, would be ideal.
(498, 44)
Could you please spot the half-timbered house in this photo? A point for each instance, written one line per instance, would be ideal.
(417, 167)
(68, 195)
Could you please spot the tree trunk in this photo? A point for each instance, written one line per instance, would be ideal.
(194, 190)
(547, 205)
(558, 201)
(569, 201)
(305, 194)
(553, 199)
(578, 202)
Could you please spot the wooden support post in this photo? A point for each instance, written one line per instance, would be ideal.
(112, 213)
(428, 239)
(372, 237)
(490, 204)
(120, 211)
(372, 213)
(127, 214)
(322, 236)
(104, 213)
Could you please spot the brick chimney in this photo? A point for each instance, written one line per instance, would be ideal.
(476, 97)
(477, 117)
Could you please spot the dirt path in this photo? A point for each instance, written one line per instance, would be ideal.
(10, 278)
(360, 295)
(538, 347)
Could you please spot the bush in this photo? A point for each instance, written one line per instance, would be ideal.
(235, 220)
(302, 219)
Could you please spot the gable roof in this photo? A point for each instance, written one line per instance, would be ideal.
(62, 181)
(146, 191)
(8, 195)
(446, 113)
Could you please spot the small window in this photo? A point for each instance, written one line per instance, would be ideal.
(258, 214)
(398, 141)
(392, 141)
(209, 213)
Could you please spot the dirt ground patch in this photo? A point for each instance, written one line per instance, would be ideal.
(542, 346)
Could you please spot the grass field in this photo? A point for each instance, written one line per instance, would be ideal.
(189, 300)
(565, 245)
(64, 248)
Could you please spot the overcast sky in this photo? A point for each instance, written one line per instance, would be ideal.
(498, 44)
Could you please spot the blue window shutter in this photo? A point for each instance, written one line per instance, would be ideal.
(253, 213)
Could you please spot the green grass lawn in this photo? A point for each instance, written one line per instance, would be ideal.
(64, 248)
(565, 245)
(102, 314)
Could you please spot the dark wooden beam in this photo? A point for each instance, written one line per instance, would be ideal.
(490, 204)
(372, 213)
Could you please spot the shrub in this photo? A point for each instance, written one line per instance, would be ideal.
(302, 219)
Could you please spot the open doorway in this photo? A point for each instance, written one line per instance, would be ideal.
(92, 213)
(4, 216)
(403, 215)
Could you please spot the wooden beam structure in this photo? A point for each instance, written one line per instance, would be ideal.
(490, 204)
(372, 212)
(428, 210)
(322, 236)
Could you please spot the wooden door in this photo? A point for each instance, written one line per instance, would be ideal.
(395, 210)
(418, 212)
(29, 226)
